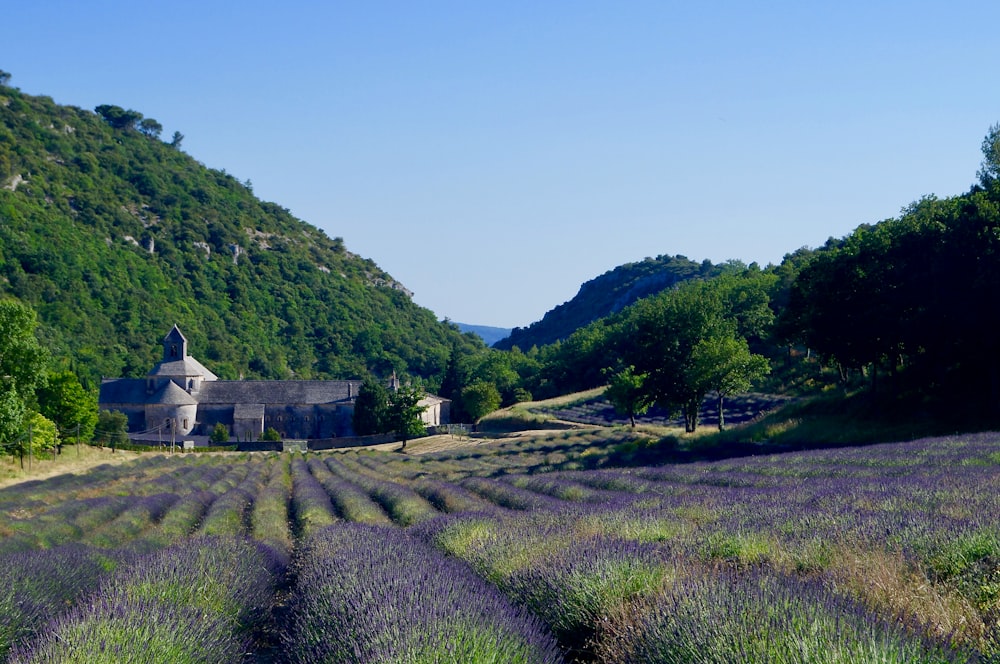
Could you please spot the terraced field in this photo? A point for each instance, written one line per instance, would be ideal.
(533, 550)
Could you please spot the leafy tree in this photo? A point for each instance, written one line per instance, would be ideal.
(118, 117)
(112, 428)
(495, 367)
(658, 338)
(4, 78)
(44, 436)
(403, 413)
(271, 435)
(150, 127)
(64, 401)
(989, 170)
(22, 364)
(627, 392)
(479, 399)
(371, 414)
(220, 434)
(726, 366)
(176, 141)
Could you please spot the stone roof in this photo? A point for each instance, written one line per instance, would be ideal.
(123, 390)
(188, 368)
(172, 394)
(305, 392)
(175, 334)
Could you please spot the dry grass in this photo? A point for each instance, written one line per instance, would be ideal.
(74, 459)
(890, 584)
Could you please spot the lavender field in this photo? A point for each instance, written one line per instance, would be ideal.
(537, 550)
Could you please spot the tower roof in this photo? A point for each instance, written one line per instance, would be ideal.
(173, 395)
(175, 335)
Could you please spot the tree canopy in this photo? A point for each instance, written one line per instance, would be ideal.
(22, 366)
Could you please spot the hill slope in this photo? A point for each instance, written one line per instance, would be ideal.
(113, 235)
(609, 293)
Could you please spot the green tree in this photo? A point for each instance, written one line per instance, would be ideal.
(403, 413)
(22, 364)
(4, 78)
(112, 428)
(726, 366)
(176, 141)
(271, 435)
(220, 434)
(989, 170)
(627, 392)
(150, 127)
(371, 414)
(479, 399)
(44, 436)
(118, 117)
(64, 401)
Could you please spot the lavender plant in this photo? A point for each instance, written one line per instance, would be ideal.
(389, 598)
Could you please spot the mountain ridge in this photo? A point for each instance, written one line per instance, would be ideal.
(113, 236)
(607, 294)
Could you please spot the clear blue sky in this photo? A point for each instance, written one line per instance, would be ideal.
(493, 156)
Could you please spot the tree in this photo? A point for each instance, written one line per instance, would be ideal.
(64, 401)
(118, 117)
(627, 392)
(150, 127)
(22, 364)
(176, 141)
(371, 409)
(403, 413)
(658, 337)
(4, 78)
(271, 435)
(726, 366)
(112, 428)
(220, 434)
(989, 170)
(44, 436)
(480, 398)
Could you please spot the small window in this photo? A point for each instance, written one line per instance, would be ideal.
(185, 423)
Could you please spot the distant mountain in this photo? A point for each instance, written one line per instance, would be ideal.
(114, 235)
(607, 294)
(488, 334)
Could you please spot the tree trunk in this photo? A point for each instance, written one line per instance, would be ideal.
(722, 413)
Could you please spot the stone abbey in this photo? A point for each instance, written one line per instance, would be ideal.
(180, 397)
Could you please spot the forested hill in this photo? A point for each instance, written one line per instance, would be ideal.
(113, 235)
(607, 294)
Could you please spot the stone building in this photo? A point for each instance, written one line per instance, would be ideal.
(180, 397)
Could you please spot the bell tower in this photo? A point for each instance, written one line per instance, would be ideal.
(174, 346)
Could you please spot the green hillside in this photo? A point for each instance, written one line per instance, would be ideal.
(608, 294)
(113, 235)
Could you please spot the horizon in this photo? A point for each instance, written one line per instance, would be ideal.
(493, 159)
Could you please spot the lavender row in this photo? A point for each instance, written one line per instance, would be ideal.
(369, 594)
(41, 584)
(199, 602)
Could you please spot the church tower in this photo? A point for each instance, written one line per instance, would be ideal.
(175, 345)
